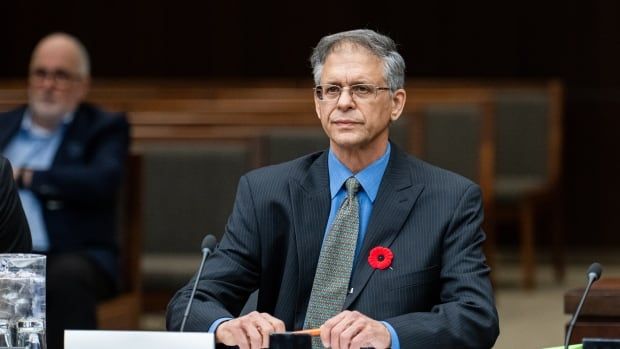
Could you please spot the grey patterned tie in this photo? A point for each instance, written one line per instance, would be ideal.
(333, 271)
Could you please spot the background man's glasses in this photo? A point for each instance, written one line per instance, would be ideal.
(329, 92)
(62, 79)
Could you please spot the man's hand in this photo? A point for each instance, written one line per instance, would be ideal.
(250, 331)
(26, 176)
(23, 177)
(352, 329)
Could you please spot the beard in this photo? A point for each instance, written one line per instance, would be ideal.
(47, 110)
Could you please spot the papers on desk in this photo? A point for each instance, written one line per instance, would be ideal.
(95, 339)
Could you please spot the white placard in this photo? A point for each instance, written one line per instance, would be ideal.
(82, 339)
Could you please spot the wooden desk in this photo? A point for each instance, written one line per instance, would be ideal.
(600, 314)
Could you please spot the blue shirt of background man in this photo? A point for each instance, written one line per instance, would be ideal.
(34, 147)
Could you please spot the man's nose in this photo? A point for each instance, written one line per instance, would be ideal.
(48, 82)
(345, 100)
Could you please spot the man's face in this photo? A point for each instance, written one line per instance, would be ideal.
(55, 86)
(352, 122)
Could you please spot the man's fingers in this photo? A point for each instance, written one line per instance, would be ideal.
(351, 332)
(253, 335)
(276, 324)
(249, 331)
(266, 325)
(352, 329)
(328, 334)
(231, 333)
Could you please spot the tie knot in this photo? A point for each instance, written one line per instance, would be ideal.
(352, 186)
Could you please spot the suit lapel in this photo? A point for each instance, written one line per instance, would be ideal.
(311, 201)
(395, 199)
(72, 144)
(9, 125)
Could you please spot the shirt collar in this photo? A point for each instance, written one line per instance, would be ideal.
(369, 178)
(38, 131)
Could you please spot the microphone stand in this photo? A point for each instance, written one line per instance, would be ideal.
(594, 272)
(208, 244)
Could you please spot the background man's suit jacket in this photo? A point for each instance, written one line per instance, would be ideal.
(437, 293)
(79, 192)
(14, 231)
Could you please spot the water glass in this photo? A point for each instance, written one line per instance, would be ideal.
(5, 334)
(22, 286)
(22, 300)
(31, 334)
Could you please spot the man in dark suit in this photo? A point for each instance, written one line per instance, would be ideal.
(14, 231)
(69, 160)
(418, 276)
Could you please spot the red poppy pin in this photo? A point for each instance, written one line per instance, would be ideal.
(380, 257)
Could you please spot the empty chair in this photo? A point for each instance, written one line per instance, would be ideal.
(452, 138)
(189, 192)
(458, 136)
(528, 168)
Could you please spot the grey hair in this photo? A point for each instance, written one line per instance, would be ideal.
(378, 44)
(84, 68)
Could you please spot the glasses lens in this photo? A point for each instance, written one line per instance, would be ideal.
(38, 74)
(331, 91)
(363, 90)
(61, 78)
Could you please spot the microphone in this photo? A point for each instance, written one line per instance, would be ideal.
(207, 246)
(594, 273)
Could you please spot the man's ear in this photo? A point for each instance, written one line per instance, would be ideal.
(398, 103)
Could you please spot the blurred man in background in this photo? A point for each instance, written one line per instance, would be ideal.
(69, 161)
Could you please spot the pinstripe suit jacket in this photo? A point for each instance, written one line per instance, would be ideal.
(437, 293)
(14, 230)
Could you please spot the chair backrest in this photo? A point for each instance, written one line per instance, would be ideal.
(452, 138)
(189, 192)
(529, 129)
(455, 130)
(283, 144)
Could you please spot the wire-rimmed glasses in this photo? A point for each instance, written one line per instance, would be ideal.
(61, 78)
(329, 92)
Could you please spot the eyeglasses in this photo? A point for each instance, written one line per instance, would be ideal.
(61, 78)
(329, 92)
